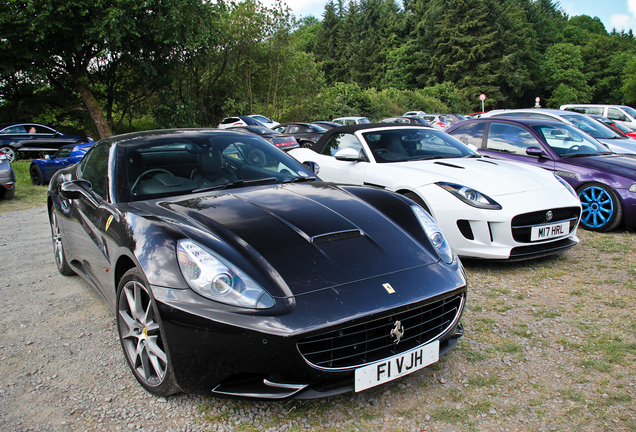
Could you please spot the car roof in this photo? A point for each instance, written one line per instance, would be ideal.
(523, 120)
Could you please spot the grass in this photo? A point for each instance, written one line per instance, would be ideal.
(27, 196)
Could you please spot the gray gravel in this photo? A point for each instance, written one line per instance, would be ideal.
(526, 362)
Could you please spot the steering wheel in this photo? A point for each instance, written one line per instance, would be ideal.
(147, 172)
(572, 149)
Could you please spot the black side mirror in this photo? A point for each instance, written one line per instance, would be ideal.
(78, 189)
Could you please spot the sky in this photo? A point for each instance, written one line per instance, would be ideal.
(619, 14)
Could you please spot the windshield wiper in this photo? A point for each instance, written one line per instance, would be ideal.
(298, 179)
(236, 184)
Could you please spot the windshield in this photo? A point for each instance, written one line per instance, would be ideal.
(159, 166)
(406, 144)
(629, 110)
(591, 126)
(567, 141)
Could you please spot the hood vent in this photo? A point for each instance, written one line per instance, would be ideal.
(337, 236)
(450, 165)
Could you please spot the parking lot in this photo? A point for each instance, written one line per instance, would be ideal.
(549, 345)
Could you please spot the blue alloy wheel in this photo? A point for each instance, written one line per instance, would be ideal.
(601, 209)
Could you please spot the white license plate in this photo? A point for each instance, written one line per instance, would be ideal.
(397, 366)
(550, 231)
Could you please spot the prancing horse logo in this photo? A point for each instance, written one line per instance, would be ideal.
(397, 332)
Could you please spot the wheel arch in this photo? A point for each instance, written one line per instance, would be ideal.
(124, 263)
(407, 192)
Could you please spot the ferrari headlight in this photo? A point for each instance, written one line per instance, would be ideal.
(435, 234)
(470, 196)
(566, 184)
(210, 276)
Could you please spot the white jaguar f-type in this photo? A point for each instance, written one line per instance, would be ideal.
(487, 208)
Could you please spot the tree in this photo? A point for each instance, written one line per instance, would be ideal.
(59, 42)
(562, 70)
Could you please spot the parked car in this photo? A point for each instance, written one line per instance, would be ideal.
(455, 118)
(406, 120)
(7, 178)
(620, 128)
(351, 120)
(41, 170)
(602, 133)
(34, 139)
(487, 209)
(279, 140)
(413, 113)
(229, 122)
(604, 181)
(263, 282)
(305, 133)
(623, 114)
(326, 124)
(265, 120)
(437, 121)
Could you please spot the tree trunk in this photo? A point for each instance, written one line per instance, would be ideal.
(94, 110)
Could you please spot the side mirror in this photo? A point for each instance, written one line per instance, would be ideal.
(535, 151)
(348, 154)
(312, 166)
(78, 189)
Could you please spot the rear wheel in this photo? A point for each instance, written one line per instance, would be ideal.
(141, 335)
(602, 209)
(306, 144)
(36, 175)
(9, 152)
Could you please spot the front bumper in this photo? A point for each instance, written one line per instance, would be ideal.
(215, 350)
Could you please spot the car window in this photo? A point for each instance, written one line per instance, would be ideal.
(591, 127)
(19, 129)
(63, 152)
(472, 133)
(566, 140)
(512, 139)
(94, 168)
(341, 141)
(616, 114)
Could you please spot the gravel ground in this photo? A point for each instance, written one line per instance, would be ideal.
(549, 346)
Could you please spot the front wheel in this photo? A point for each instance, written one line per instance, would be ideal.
(602, 209)
(36, 175)
(141, 335)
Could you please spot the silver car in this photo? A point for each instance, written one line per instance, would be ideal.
(7, 178)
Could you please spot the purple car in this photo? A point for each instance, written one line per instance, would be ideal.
(604, 181)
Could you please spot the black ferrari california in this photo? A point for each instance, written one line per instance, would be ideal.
(233, 271)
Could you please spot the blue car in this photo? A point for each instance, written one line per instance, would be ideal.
(42, 170)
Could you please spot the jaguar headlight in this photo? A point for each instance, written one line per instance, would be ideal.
(470, 196)
(632, 188)
(212, 277)
(435, 234)
(566, 184)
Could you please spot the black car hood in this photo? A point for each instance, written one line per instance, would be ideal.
(313, 235)
(624, 165)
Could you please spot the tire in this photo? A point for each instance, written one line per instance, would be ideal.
(416, 198)
(7, 194)
(36, 175)
(602, 209)
(142, 337)
(306, 144)
(58, 246)
(9, 151)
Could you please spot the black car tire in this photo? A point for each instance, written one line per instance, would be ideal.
(58, 246)
(306, 144)
(141, 335)
(599, 198)
(415, 197)
(9, 151)
(7, 194)
(36, 175)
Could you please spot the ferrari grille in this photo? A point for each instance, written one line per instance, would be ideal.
(353, 346)
(522, 224)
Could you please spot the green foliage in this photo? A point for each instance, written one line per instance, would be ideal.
(564, 78)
